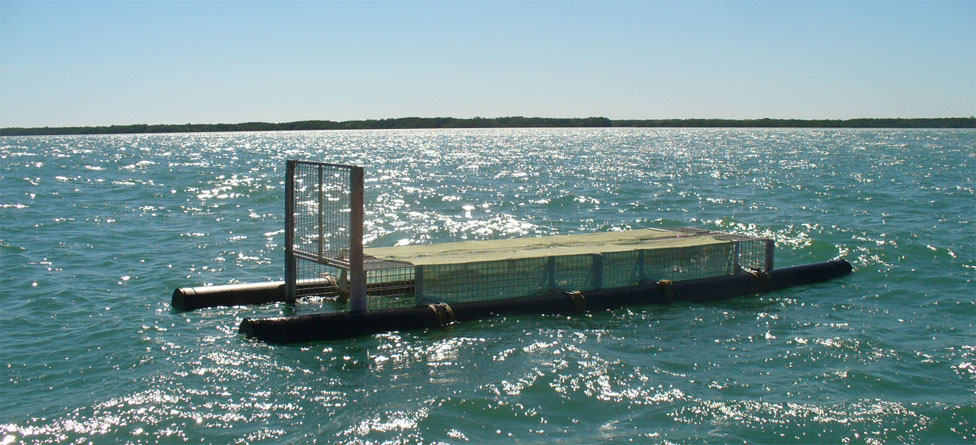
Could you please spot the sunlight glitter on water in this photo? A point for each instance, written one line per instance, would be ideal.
(884, 356)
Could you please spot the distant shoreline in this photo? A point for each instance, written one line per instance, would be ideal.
(501, 122)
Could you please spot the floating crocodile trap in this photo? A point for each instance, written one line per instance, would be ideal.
(403, 287)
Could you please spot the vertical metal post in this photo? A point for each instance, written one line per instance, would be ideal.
(736, 267)
(641, 275)
(321, 210)
(597, 277)
(357, 276)
(551, 273)
(291, 268)
(418, 284)
(770, 249)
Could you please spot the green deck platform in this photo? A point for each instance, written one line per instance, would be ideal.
(541, 247)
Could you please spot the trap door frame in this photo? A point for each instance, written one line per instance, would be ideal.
(346, 254)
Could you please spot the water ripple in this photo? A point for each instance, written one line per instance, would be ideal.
(96, 231)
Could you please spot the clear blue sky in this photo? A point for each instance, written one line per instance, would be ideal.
(106, 62)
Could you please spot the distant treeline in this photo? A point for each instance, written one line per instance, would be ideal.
(499, 122)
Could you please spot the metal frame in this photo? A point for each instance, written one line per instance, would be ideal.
(354, 264)
(317, 232)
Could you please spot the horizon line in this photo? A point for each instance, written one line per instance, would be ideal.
(495, 122)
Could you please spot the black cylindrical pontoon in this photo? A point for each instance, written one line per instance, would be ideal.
(337, 325)
(190, 298)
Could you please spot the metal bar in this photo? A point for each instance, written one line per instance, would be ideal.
(418, 284)
(770, 249)
(321, 210)
(735, 258)
(641, 275)
(326, 164)
(357, 283)
(551, 272)
(597, 277)
(325, 261)
(291, 266)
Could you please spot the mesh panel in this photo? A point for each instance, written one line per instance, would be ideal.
(752, 254)
(322, 196)
(389, 285)
(491, 280)
(573, 272)
(319, 280)
(318, 229)
(689, 263)
(622, 269)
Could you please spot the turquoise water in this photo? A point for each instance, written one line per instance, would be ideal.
(96, 232)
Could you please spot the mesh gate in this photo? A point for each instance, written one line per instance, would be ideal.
(324, 231)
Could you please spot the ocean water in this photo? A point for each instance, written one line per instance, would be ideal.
(97, 231)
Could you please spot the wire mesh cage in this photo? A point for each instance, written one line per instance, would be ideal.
(325, 255)
(488, 280)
